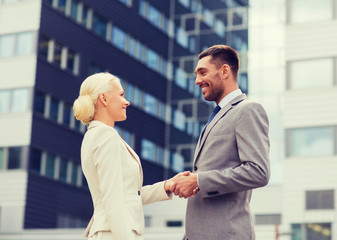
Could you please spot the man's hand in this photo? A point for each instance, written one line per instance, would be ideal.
(170, 184)
(185, 185)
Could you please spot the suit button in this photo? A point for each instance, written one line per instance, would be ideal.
(195, 168)
(138, 193)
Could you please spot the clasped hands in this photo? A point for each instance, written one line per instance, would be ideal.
(183, 184)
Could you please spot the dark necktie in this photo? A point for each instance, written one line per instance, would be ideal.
(215, 111)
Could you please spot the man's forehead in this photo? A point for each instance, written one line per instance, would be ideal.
(203, 63)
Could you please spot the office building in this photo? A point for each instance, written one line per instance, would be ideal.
(48, 47)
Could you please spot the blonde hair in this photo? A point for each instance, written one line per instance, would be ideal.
(92, 86)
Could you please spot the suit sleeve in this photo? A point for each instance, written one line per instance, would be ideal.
(107, 159)
(154, 193)
(251, 136)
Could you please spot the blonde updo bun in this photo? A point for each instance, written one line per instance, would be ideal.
(84, 106)
(84, 109)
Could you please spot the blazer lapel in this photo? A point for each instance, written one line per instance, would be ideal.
(135, 156)
(204, 133)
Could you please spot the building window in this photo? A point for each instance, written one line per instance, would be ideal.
(44, 46)
(74, 9)
(63, 174)
(20, 101)
(54, 109)
(4, 101)
(148, 150)
(35, 162)
(315, 141)
(74, 173)
(14, 157)
(18, 44)
(324, 199)
(178, 162)
(179, 120)
(118, 38)
(303, 11)
(174, 223)
(99, 25)
(40, 102)
(304, 74)
(150, 104)
(72, 61)
(24, 43)
(7, 45)
(50, 165)
(311, 231)
(67, 114)
(152, 59)
(126, 2)
(180, 78)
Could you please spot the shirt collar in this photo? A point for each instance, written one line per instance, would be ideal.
(229, 97)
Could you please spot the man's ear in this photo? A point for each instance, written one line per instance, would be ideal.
(225, 70)
(102, 99)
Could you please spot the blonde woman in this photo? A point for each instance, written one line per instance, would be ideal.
(112, 169)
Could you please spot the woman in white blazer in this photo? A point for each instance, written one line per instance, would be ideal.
(112, 169)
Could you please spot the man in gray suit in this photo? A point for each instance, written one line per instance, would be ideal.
(231, 156)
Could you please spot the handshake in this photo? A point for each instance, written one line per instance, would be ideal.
(184, 184)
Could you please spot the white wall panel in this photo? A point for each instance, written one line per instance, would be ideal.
(17, 72)
(20, 16)
(311, 40)
(15, 129)
(307, 108)
(12, 200)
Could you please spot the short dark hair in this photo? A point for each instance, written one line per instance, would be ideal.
(223, 54)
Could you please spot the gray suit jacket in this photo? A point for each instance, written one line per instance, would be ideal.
(231, 159)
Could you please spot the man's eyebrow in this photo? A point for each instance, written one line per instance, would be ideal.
(199, 69)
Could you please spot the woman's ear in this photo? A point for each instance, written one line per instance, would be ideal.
(102, 98)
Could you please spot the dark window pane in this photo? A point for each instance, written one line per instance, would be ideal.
(320, 199)
(66, 114)
(99, 25)
(14, 159)
(74, 174)
(74, 9)
(57, 54)
(61, 5)
(54, 109)
(50, 165)
(63, 170)
(40, 102)
(35, 161)
(71, 60)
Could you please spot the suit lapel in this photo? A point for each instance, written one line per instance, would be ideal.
(205, 132)
(134, 156)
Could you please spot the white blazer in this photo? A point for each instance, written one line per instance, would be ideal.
(115, 178)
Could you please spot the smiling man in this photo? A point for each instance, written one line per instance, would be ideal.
(231, 156)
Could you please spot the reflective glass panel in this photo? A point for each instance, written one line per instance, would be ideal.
(67, 114)
(61, 5)
(118, 37)
(57, 54)
(54, 109)
(7, 45)
(20, 100)
(316, 141)
(43, 47)
(24, 43)
(71, 60)
(178, 162)
(150, 104)
(14, 157)
(74, 173)
(99, 25)
(74, 9)
(4, 101)
(35, 161)
(50, 165)
(40, 102)
(148, 150)
(152, 59)
(63, 169)
(154, 16)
